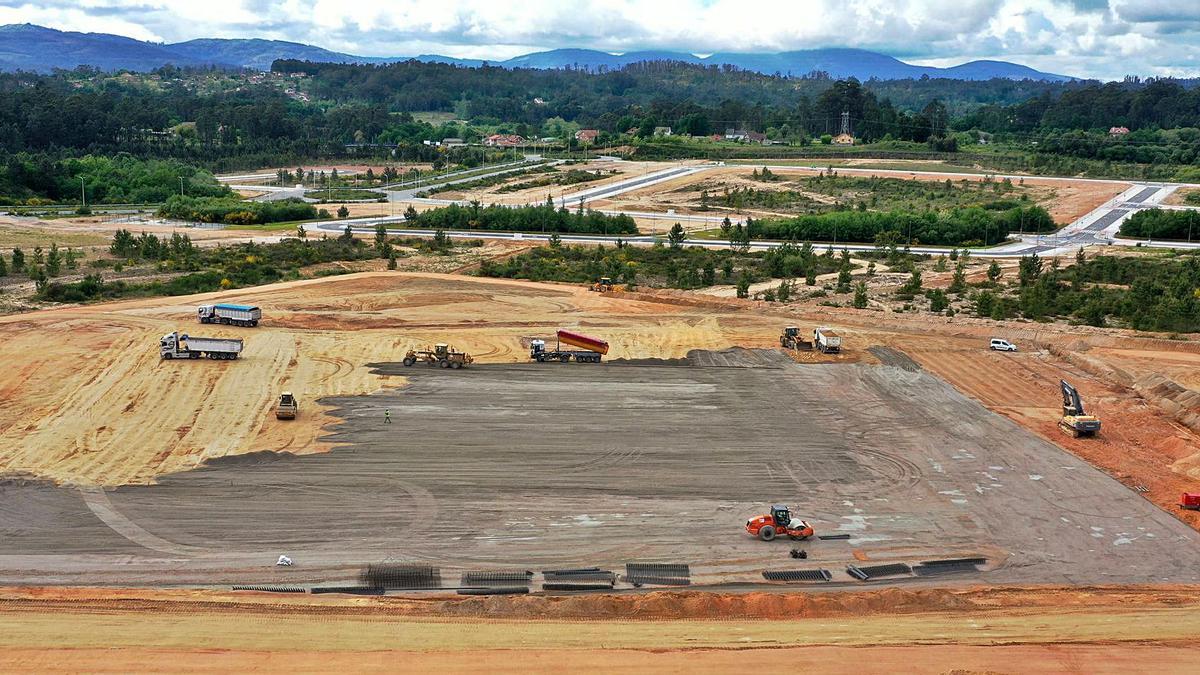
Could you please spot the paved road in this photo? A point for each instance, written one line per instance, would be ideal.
(1097, 227)
(445, 180)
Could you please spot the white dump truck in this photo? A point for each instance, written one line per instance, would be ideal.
(177, 346)
(827, 341)
(230, 315)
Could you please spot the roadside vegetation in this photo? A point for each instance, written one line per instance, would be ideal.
(41, 179)
(958, 227)
(345, 194)
(542, 218)
(191, 269)
(233, 211)
(664, 266)
(1144, 292)
(1162, 224)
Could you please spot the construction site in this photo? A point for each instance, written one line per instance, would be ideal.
(130, 467)
(382, 448)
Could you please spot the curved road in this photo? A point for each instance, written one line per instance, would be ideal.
(1099, 227)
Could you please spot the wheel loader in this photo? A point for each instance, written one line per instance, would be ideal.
(790, 339)
(603, 285)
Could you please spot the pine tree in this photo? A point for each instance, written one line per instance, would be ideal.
(993, 273)
(860, 295)
(53, 261)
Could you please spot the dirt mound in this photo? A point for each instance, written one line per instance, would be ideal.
(694, 605)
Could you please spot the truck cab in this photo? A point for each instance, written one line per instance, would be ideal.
(168, 345)
(537, 350)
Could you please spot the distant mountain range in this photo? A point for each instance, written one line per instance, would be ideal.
(35, 48)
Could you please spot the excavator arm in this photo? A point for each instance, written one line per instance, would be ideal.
(1072, 404)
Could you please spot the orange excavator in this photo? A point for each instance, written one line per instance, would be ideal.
(779, 523)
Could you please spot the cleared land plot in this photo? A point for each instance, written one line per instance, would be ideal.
(1066, 200)
(563, 465)
(86, 399)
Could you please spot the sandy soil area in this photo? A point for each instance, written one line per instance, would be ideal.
(100, 407)
(97, 231)
(1085, 630)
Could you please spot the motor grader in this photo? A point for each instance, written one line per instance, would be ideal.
(441, 354)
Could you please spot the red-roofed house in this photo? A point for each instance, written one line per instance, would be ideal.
(1118, 131)
(587, 136)
(504, 140)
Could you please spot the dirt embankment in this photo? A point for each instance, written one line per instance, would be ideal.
(1051, 630)
(653, 606)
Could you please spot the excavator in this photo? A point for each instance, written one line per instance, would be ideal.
(1075, 420)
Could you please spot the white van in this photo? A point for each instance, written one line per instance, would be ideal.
(998, 345)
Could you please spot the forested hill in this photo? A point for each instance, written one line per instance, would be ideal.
(36, 48)
(513, 95)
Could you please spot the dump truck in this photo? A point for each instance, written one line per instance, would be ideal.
(230, 315)
(590, 349)
(827, 341)
(184, 346)
(287, 407)
(790, 339)
(442, 355)
(778, 523)
(1075, 420)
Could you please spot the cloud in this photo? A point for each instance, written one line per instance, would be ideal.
(1100, 38)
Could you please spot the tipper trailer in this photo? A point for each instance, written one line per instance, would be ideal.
(177, 346)
(590, 349)
(230, 315)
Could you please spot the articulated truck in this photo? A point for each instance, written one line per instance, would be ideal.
(230, 315)
(590, 349)
(177, 346)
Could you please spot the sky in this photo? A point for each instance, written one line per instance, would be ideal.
(1106, 39)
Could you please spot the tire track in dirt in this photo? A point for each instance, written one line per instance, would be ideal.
(97, 501)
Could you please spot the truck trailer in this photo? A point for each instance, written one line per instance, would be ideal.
(590, 349)
(827, 341)
(230, 315)
(177, 346)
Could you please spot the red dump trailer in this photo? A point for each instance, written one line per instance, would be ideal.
(1190, 500)
(590, 349)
